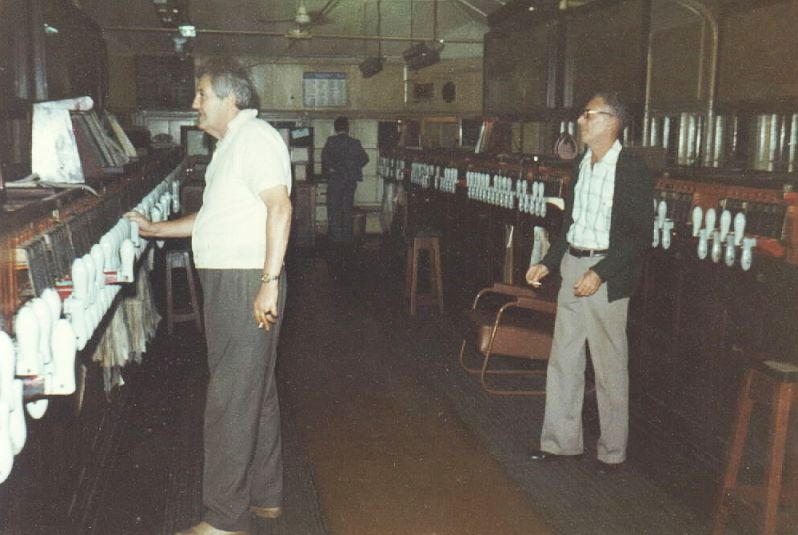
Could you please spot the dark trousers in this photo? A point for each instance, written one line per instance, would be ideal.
(340, 199)
(243, 457)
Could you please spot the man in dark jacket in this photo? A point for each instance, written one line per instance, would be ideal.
(607, 227)
(342, 161)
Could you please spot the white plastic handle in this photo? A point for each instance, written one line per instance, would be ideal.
(18, 429)
(7, 368)
(26, 327)
(44, 319)
(64, 348)
(6, 448)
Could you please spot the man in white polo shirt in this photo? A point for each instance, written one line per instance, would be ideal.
(239, 239)
(606, 230)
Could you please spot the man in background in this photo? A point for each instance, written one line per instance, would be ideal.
(606, 230)
(342, 162)
(239, 239)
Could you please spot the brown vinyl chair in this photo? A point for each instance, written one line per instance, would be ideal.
(521, 325)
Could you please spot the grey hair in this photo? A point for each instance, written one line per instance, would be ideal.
(616, 104)
(229, 77)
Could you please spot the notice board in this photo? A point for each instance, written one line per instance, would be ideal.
(324, 89)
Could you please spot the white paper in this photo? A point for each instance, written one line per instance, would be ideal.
(74, 104)
(54, 150)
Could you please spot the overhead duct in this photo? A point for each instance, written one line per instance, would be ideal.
(371, 66)
(422, 55)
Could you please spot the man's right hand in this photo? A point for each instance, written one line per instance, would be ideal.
(146, 227)
(535, 273)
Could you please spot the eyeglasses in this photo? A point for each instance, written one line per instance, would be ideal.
(588, 113)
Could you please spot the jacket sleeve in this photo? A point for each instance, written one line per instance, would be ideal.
(632, 219)
(560, 245)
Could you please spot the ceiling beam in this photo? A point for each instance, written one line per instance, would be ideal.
(260, 33)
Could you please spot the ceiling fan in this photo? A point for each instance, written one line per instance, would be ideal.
(304, 19)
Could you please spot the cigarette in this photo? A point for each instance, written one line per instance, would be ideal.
(260, 325)
(536, 284)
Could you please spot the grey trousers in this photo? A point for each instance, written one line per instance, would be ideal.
(602, 325)
(243, 457)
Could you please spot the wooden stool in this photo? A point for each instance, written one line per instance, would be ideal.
(431, 243)
(772, 383)
(180, 258)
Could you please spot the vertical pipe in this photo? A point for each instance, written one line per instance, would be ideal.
(654, 137)
(680, 154)
(717, 156)
(696, 147)
(782, 141)
(666, 132)
(761, 142)
(692, 128)
(793, 142)
(773, 140)
(649, 75)
(700, 9)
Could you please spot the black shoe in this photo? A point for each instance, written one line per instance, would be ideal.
(606, 469)
(540, 455)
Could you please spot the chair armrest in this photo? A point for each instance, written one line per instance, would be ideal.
(547, 293)
(527, 297)
(537, 304)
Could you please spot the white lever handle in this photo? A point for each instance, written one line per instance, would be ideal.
(98, 257)
(91, 279)
(53, 301)
(698, 216)
(662, 211)
(725, 224)
(37, 408)
(44, 320)
(77, 316)
(6, 453)
(128, 254)
(27, 329)
(80, 281)
(709, 220)
(739, 228)
(64, 348)
(7, 368)
(17, 427)
(107, 244)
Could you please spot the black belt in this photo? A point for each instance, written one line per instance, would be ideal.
(586, 253)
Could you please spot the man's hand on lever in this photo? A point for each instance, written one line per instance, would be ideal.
(146, 227)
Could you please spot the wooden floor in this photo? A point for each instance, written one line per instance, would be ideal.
(383, 432)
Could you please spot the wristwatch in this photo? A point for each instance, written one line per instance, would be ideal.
(266, 278)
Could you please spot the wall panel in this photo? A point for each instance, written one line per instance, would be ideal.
(517, 73)
(758, 59)
(604, 50)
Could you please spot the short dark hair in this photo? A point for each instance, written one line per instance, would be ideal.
(341, 124)
(228, 77)
(615, 102)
